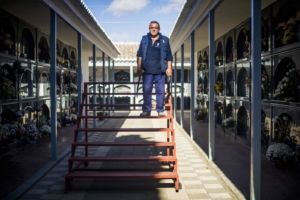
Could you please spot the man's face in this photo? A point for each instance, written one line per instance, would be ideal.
(153, 29)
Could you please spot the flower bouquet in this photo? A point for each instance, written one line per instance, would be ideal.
(42, 120)
(248, 82)
(287, 86)
(65, 88)
(100, 114)
(280, 154)
(247, 43)
(73, 63)
(219, 87)
(73, 110)
(200, 113)
(74, 118)
(68, 120)
(6, 43)
(7, 90)
(199, 88)
(201, 63)
(45, 129)
(288, 31)
(9, 132)
(32, 132)
(219, 57)
(73, 87)
(38, 109)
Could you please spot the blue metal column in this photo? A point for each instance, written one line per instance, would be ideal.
(211, 42)
(113, 86)
(256, 99)
(192, 77)
(103, 80)
(182, 86)
(53, 32)
(79, 76)
(94, 85)
(108, 79)
(175, 88)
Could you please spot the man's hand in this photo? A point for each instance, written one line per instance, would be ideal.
(139, 72)
(169, 71)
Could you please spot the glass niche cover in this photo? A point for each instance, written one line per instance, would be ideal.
(28, 87)
(44, 84)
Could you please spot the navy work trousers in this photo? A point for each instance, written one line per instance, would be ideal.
(159, 81)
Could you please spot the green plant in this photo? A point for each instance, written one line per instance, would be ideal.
(100, 113)
(7, 90)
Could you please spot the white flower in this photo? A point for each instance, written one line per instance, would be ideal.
(73, 116)
(279, 150)
(287, 73)
(72, 85)
(45, 129)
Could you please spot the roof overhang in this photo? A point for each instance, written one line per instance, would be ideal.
(74, 17)
(193, 17)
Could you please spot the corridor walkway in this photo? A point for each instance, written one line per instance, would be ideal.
(197, 177)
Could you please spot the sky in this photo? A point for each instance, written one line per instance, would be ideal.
(128, 20)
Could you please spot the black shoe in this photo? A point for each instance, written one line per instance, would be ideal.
(145, 114)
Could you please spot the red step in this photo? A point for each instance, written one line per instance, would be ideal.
(155, 144)
(127, 117)
(124, 129)
(124, 159)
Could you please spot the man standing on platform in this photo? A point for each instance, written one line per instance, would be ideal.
(154, 62)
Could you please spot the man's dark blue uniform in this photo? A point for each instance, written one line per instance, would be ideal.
(156, 59)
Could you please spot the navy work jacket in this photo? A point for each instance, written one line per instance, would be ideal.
(165, 51)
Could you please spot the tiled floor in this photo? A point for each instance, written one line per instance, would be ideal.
(197, 177)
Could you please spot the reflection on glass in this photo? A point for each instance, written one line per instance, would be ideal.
(44, 84)
(28, 115)
(28, 84)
